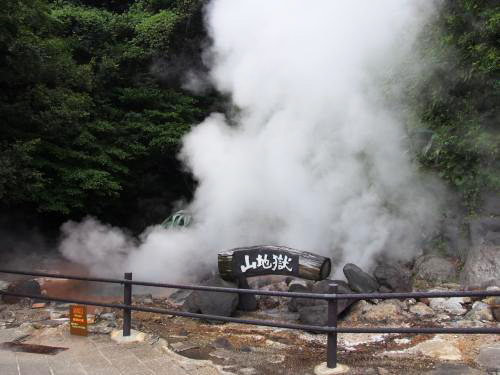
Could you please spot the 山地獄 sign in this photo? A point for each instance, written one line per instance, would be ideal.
(78, 320)
(262, 262)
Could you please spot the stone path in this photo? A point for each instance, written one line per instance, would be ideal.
(97, 355)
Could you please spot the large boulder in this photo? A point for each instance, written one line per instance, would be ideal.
(297, 286)
(482, 267)
(31, 287)
(385, 311)
(484, 231)
(358, 280)
(395, 277)
(435, 268)
(213, 303)
(315, 312)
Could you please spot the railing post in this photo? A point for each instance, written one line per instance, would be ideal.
(331, 346)
(127, 300)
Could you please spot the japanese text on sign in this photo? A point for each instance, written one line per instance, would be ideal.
(78, 320)
(278, 262)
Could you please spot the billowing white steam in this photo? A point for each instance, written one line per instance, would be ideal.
(316, 160)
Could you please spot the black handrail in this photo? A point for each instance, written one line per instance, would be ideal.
(331, 329)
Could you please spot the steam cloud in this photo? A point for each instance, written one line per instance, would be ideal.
(317, 159)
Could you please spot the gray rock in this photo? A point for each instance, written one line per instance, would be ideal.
(359, 280)
(435, 268)
(482, 266)
(480, 228)
(214, 303)
(108, 316)
(316, 315)
(223, 343)
(315, 312)
(180, 295)
(489, 357)
(480, 311)
(298, 287)
(247, 302)
(396, 278)
(452, 305)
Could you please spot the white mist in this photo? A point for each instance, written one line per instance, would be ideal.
(315, 158)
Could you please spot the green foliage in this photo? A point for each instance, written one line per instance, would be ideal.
(458, 100)
(83, 117)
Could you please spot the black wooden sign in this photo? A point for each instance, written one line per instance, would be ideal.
(241, 262)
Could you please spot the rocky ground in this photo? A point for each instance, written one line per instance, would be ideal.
(246, 350)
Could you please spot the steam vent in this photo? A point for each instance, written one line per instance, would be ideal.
(249, 187)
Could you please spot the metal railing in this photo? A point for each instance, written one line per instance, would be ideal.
(332, 298)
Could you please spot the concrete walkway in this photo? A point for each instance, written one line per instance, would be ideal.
(96, 355)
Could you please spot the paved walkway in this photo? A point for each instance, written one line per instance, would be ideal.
(96, 355)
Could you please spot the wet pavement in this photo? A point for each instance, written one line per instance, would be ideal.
(95, 355)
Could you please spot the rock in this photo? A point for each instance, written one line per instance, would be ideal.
(435, 268)
(222, 343)
(480, 311)
(482, 266)
(356, 311)
(24, 287)
(108, 316)
(495, 309)
(454, 369)
(395, 278)
(135, 336)
(421, 310)
(438, 347)
(451, 305)
(479, 228)
(315, 312)
(358, 280)
(58, 315)
(246, 302)
(38, 305)
(4, 285)
(298, 287)
(298, 284)
(489, 357)
(316, 315)
(214, 303)
(269, 303)
(179, 296)
(385, 311)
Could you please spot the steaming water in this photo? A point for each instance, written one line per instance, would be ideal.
(316, 160)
